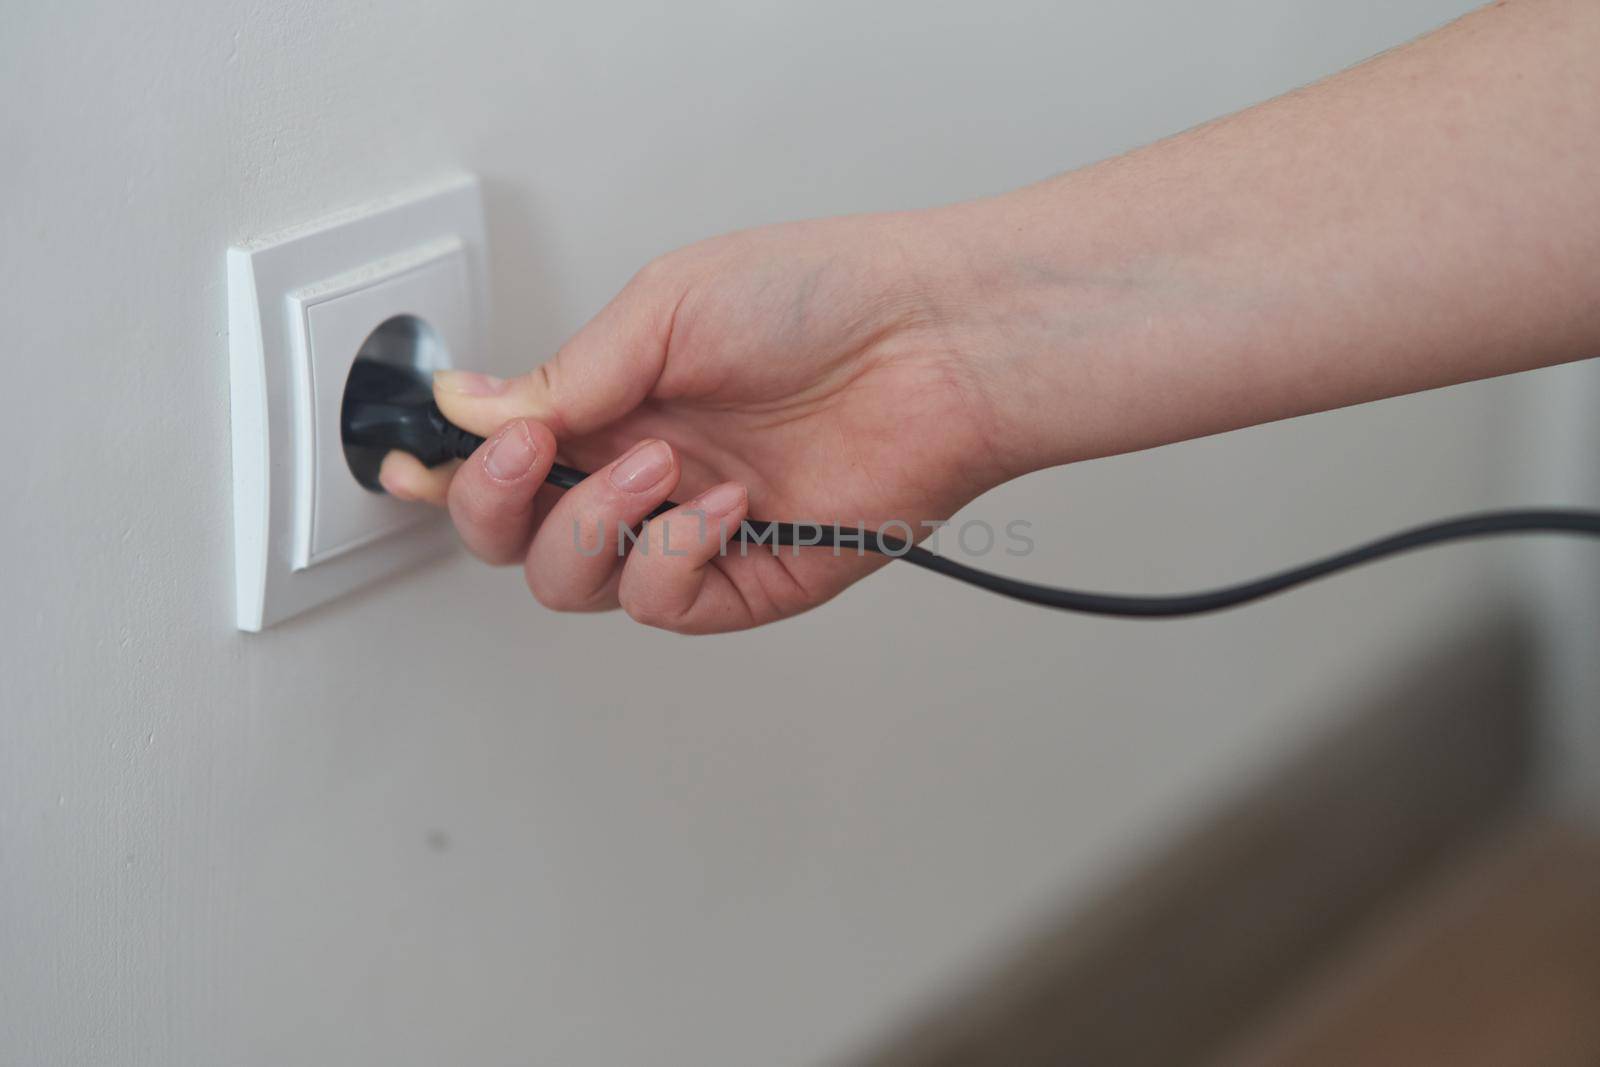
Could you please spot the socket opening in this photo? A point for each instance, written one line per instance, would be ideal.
(403, 341)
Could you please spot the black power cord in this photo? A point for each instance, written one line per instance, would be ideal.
(388, 407)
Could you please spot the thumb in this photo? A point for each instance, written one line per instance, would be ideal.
(597, 377)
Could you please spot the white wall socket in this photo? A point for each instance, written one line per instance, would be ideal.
(301, 304)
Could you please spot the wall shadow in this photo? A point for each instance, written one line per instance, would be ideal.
(1201, 939)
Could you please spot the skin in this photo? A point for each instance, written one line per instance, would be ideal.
(1427, 218)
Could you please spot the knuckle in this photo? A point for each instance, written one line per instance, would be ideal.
(544, 377)
(485, 525)
(647, 612)
(654, 273)
(652, 618)
(469, 511)
(483, 507)
(495, 555)
(549, 595)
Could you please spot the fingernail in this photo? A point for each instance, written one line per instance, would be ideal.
(642, 468)
(719, 498)
(512, 453)
(469, 383)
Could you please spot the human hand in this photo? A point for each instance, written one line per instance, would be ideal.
(820, 371)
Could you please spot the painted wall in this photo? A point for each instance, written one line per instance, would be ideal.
(360, 838)
(1554, 457)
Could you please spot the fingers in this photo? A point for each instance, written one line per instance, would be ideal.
(598, 376)
(403, 477)
(574, 562)
(669, 582)
(491, 497)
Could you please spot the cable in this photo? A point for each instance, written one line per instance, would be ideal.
(1486, 524)
(387, 407)
(1461, 528)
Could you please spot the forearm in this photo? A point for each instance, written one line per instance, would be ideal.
(1430, 217)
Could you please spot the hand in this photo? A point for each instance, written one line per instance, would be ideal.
(818, 371)
(1419, 220)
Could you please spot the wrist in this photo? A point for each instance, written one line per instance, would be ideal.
(1117, 308)
(1073, 323)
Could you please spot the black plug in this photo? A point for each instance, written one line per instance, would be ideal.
(390, 406)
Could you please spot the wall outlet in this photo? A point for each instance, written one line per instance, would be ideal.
(406, 280)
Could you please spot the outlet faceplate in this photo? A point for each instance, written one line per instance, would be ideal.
(300, 306)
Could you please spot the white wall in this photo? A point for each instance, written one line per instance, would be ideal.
(526, 838)
(1554, 460)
